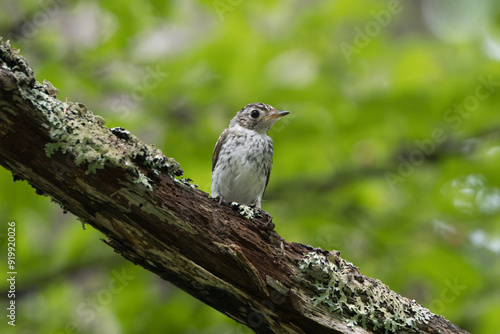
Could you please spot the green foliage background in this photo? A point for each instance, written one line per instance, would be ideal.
(391, 154)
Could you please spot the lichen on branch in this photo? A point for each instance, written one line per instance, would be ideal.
(363, 301)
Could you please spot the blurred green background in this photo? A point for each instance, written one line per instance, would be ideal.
(391, 154)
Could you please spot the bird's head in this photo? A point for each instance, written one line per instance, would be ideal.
(259, 117)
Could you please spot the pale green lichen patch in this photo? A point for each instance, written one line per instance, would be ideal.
(361, 300)
(246, 211)
(77, 131)
(186, 183)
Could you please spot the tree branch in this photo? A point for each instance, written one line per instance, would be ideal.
(226, 256)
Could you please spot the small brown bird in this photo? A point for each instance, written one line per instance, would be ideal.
(243, 156)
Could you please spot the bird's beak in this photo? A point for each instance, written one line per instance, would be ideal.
(277, 114)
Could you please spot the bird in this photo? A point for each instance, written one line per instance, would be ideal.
(243, 156)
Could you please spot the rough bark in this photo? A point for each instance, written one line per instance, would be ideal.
(227, 256)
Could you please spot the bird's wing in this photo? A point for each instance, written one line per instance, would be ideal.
(218, 146)
(268, 172)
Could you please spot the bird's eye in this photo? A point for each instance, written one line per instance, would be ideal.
(254, 114)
